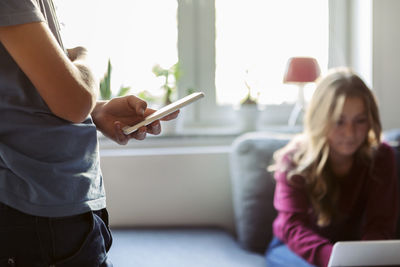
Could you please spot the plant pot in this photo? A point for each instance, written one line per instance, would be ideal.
(248, 118)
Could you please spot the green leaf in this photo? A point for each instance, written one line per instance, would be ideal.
(176, 71)
(123, 90)
(147, 96)
(158, 71)
(105, 92)
(190, 91)
(108, 76)
(105, 83)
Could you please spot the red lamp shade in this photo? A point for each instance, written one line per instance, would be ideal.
(301, 70)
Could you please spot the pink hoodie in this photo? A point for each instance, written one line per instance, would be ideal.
(368, 210)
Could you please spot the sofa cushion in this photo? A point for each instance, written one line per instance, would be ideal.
(179, 248)
(253, 187)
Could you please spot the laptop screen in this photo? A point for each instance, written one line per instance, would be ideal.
(365, 253)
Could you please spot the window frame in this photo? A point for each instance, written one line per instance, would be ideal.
(196, 53)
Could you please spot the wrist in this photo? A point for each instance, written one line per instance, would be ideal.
(324, 254)
(96, 112)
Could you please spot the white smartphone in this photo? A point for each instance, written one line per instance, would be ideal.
(164, 111)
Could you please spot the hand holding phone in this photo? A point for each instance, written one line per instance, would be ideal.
(164, 111)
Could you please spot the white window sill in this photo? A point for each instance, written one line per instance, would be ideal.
(199, 139)
(167, 141)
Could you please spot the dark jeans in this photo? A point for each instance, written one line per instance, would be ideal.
(80, 240)
(279, 255)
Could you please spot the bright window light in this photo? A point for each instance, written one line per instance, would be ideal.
(254, 40)
(134, 34)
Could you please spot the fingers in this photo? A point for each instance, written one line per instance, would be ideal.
(120, 137)
(140, 134)
(137, 104)
(171, 116)
(123, 139)
(149, 111)
(141, 109)
(154, 128)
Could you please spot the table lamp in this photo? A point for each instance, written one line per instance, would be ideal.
(300, 71)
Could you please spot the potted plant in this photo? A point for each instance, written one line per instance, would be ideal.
(171, 77)
(248, 111)
(248, 100)
(105, 85)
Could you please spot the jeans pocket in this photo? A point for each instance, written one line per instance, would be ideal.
(106, 232)
(93, 250)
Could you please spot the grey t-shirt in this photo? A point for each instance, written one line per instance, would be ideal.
(48, 166)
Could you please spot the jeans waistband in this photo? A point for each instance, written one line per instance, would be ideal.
(100, 213)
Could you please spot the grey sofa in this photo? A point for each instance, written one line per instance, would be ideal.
(252, 195)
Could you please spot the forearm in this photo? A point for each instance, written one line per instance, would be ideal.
(68, 89)
(79, 57)
(292, 225)
(302, 240)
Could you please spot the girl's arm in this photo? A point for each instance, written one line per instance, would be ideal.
(292, 225)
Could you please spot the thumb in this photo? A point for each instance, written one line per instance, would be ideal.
(137, 104)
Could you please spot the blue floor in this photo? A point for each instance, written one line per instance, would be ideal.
(179, 248)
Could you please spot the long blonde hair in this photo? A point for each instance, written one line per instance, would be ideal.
(309, 153)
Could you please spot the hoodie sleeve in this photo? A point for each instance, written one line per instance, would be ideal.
(292, 223)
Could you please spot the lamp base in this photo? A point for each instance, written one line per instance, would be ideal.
(295, 114)
(298, 108)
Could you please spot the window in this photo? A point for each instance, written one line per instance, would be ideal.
(254, 40)
(220, 44)
(135, 35)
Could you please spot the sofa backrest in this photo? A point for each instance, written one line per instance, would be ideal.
(253, 188)
(253, 185)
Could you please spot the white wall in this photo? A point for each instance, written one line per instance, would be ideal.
(386, 60)
(364, 35)
(170, 186)
(361, 39)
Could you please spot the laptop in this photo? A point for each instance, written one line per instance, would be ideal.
(365, 253)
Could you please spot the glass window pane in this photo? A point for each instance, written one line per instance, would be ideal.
(254, 40)
(134, 34)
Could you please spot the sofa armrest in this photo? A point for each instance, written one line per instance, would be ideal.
(253, 187)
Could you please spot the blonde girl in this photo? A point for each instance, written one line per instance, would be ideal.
(336, 181)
